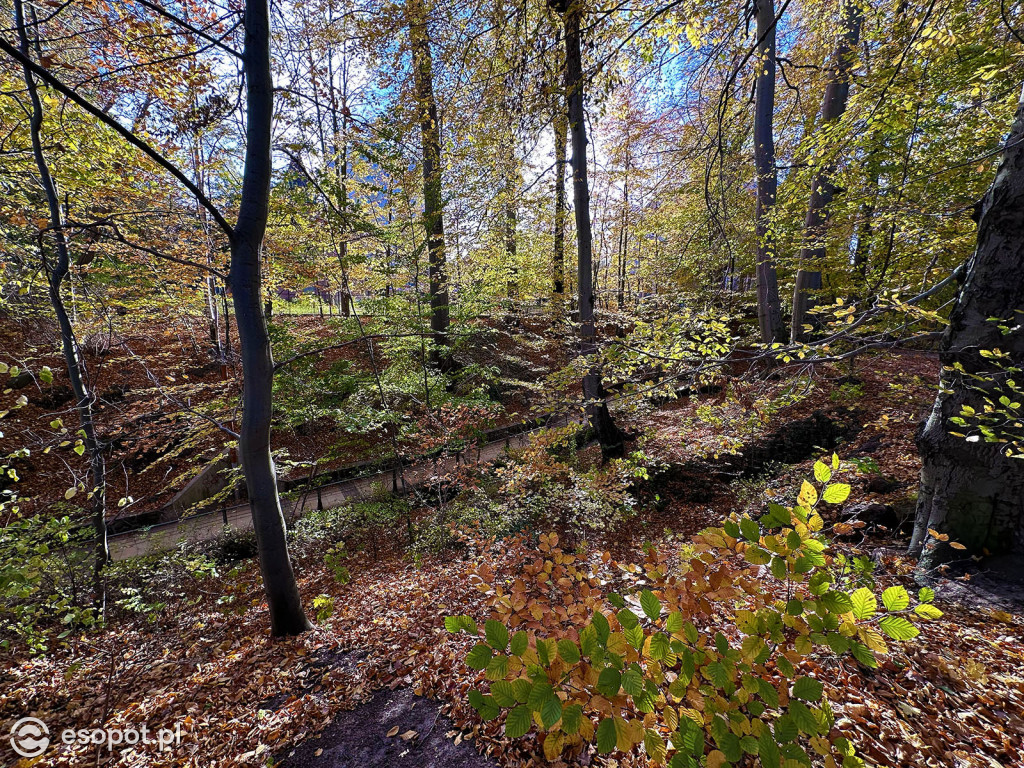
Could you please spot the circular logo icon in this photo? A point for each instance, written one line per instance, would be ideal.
(30, 737)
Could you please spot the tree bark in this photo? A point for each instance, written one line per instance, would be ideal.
(558, 256)
(511, 226)
(972, 491)
(607, 433)
(823, 191)
(340, 141)
(286, 614)
(620, 293)
(769, 306)
(433, 203)
(56, 273)
(862, 251)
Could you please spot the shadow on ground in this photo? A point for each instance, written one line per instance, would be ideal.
(359, 738)
(997, 583)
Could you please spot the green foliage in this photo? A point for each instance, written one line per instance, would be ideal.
(997, 395)
(318, 529)
(154, 587)
(362, 525)
(232, 545)
(666, 661)
(323, 606)
(550, 483)
(847, 392)
(307, 390)
(335, 559)
(45, 577)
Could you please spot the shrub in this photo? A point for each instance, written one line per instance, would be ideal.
(157, 586)
(323, 604)
(550, 483)
(710, 653)
(335, 560)
(479, 508)
(46, 567)
(232, 545)
(321, 528)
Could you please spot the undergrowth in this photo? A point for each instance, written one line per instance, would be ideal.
(701, 659)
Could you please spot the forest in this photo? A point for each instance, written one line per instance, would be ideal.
(509, 383)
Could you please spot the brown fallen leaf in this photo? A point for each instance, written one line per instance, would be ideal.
(410, 734)
(393, 732)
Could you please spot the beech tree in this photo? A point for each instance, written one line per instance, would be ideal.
(57, 267)
(246, 237)
(607, 433)
(769, 307)
(286, 614)
(433, 201)
(823, 188)
(972, 492)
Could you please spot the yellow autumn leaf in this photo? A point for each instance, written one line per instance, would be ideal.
(808, 495)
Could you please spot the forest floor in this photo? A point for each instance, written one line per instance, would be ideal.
(156, 380)
(350, 686)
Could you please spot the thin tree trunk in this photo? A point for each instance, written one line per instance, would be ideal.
(227, 326)
(607, 433)
(623, 241)
(511, 225)
(56, 273)
(211, 281)
(823, 191)
(972, 491)
(769, 306)
(862, 252)
(433, 203)
(340, 135)
(286, 614)
(558, 257)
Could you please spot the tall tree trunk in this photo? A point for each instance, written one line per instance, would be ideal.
(212, 308)
(862, 251)
(286, 614)
(607, 433)
(340, 141)
(511, 225)
(558, 257)
(812, 254)
(769, 307)
(972, 491)
(57, 272)
(433, 203)
(620, 293)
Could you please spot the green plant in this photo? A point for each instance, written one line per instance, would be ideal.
(323, 604)
(45, 573)
(713, 652)
(155, 586)
(847, 392)
(335, 560)
(550, 483)
(996, 415)
(232, 545)
(320, 528)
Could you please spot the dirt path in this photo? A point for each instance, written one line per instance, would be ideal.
(394, 729)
